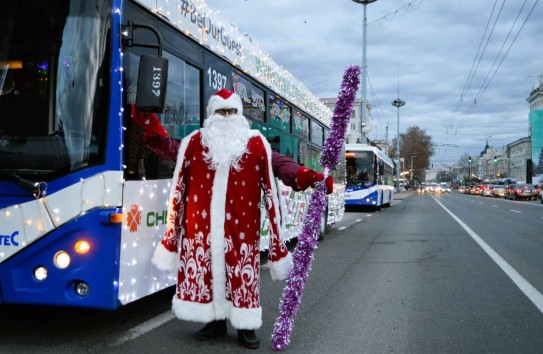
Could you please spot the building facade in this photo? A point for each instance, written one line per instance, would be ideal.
(353, 134)
(536, 127)
(518, 155)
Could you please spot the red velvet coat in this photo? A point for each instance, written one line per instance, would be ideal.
(213, 232)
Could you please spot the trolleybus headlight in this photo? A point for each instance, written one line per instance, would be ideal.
(82, 288)
(82, 247)
(62, 259)
(40, 273)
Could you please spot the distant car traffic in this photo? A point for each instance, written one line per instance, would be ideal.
(520, 191)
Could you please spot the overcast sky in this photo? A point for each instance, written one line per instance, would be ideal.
(464, 67)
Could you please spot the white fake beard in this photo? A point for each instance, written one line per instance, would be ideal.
(226, 140)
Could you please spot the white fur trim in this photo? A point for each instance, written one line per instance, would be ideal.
(164, 259)
(217, 214)
(279, 270)
(178, 165)
(243, 318)
(193, 311)
(217, 102)
(275, 190)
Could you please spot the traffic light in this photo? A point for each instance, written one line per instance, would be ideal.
(469, 159)
(495, 159)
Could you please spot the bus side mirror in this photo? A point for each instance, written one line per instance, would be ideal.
(152, 83)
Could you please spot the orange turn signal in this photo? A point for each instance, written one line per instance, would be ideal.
(82, 247)
(115, 218)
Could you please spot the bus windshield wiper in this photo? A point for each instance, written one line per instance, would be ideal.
(37, 188)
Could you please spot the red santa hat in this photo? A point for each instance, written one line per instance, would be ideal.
(224, 99)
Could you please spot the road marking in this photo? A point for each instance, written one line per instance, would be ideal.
(358, 220)
(342, 228)
(494, 206)
(145, 327)
(515, 211)
(535, 296)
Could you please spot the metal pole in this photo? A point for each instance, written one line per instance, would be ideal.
(363, 138)
(364, 80)
(398, 103)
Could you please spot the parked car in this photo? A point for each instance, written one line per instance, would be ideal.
(486, 190)
(476, 190)
(520, 191)
(538, 189)
(498, 190)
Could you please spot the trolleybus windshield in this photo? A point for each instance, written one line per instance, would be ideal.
(54, 82)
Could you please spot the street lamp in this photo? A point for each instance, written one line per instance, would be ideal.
(364, 71)
(398, 103)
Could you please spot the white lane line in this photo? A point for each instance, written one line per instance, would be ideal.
(342, 228)
(145, 327)
(515, 211)
(358, 220)
(494, 206)
(535, 296)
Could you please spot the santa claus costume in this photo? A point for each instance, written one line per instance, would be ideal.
(223, 172)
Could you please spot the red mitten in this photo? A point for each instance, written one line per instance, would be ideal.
(306, 177)
(149, 122)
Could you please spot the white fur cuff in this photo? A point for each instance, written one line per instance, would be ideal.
(164, 259)
(279, 270)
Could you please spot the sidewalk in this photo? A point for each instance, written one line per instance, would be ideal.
(402, 195)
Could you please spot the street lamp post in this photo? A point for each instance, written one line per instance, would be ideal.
(364, 71)
(398, 103)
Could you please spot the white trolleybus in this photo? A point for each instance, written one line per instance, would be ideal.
(369, 175)
(82, 201)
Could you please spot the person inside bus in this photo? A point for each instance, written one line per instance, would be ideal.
(364, 176)
(212, 238)
(156, 138)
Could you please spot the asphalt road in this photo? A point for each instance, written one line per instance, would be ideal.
(431, 274)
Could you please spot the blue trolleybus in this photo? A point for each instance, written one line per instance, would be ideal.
(83, 203)
(369, 175)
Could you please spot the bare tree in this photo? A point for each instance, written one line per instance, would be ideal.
(415, 142)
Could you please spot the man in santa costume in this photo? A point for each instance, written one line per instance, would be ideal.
(155, 136)
(213, 230)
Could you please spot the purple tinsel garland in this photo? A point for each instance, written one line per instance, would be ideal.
(307, 240)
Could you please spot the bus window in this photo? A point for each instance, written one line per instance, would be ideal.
(360, 168)
(181, 117)
(317, 134)
(252, 98)
(54, 89)
(280, 113)
(300, 125)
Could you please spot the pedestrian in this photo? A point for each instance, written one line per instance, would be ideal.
(213, 232)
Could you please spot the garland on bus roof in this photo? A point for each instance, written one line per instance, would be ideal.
(307, 240)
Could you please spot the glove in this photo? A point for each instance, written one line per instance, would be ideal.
(149, 122)
(306, 177)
